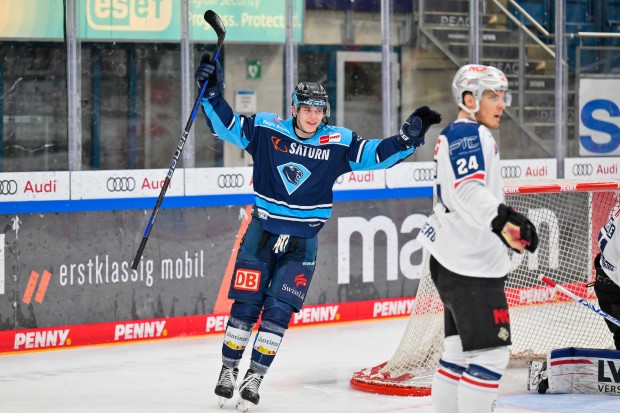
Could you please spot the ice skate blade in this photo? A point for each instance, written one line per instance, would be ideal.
(221, 401)
(243, 405)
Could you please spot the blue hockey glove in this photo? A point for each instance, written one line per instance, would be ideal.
(212, 74)
(415, 127)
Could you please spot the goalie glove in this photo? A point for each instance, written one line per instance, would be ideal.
(511, 226)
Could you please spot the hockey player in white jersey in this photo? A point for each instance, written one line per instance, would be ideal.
(607, 284)
(582, 370)
(467, 236)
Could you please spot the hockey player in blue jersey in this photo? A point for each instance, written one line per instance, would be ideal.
(296, 163)
(467, 236)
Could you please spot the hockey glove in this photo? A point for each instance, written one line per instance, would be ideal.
(212, 74)
(523, 230)
(413, 130)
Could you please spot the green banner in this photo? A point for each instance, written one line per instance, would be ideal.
(130, 19)
(249, 21)
(31, 19)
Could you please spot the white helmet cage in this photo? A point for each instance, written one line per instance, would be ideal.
(477, 79)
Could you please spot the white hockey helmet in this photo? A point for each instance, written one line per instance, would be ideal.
(476, 79)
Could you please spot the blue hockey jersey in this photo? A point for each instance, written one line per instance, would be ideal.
(293, 177)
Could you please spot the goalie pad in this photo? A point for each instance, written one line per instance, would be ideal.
(583, 371)
(527, 231)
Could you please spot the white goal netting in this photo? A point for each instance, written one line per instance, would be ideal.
(567, 216)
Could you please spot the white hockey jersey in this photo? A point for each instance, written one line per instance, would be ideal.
(610, 247)
(468, 189)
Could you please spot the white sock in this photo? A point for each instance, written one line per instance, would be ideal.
(476, 395)
(444, 391)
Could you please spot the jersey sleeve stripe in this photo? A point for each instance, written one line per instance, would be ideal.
(360, 151)
(232, 133)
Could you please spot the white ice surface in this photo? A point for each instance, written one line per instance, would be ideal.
(310, 374)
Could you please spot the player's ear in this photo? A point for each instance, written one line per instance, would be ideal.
(469, 101)
(293, 111)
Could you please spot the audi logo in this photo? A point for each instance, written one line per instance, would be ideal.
(8, 187)
(124, 184)
(512, 171)
(424, 174)
(230, 180)
(582, 169)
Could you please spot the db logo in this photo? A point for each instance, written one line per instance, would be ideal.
(247, 280)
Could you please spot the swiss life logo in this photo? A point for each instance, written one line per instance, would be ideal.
(129, 15)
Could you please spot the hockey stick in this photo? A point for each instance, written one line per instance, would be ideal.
(551, 283)
(216, 23)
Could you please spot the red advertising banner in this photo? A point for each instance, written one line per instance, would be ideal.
(16, 341)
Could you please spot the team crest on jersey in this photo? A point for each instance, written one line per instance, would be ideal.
(293, 175)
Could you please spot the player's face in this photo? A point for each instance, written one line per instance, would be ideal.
(492, 107)
(309, 118)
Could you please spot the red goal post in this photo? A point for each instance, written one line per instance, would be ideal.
(568, 215)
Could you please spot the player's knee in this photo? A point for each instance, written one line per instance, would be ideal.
(489, 363)
(277, 311)
(453, 351)
(244, 315)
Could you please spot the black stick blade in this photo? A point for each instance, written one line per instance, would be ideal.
(214, 21)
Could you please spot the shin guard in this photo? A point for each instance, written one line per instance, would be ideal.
(479, 385)
(477, 390)
(444, 387)
(235, 342)
(447, 376)
(275, 319)
(242, 319)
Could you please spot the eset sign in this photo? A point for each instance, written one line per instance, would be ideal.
(599, 117)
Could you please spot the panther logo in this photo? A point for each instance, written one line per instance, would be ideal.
(293, 174)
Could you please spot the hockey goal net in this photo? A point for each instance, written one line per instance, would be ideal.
(568, 215)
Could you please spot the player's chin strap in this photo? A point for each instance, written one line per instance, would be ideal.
(471, 112)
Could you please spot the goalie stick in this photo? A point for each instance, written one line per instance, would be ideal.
(216, 23)
(551, 283)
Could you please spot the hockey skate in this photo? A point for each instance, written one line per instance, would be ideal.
(249, 391)
(226, 384)
(537, 377)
